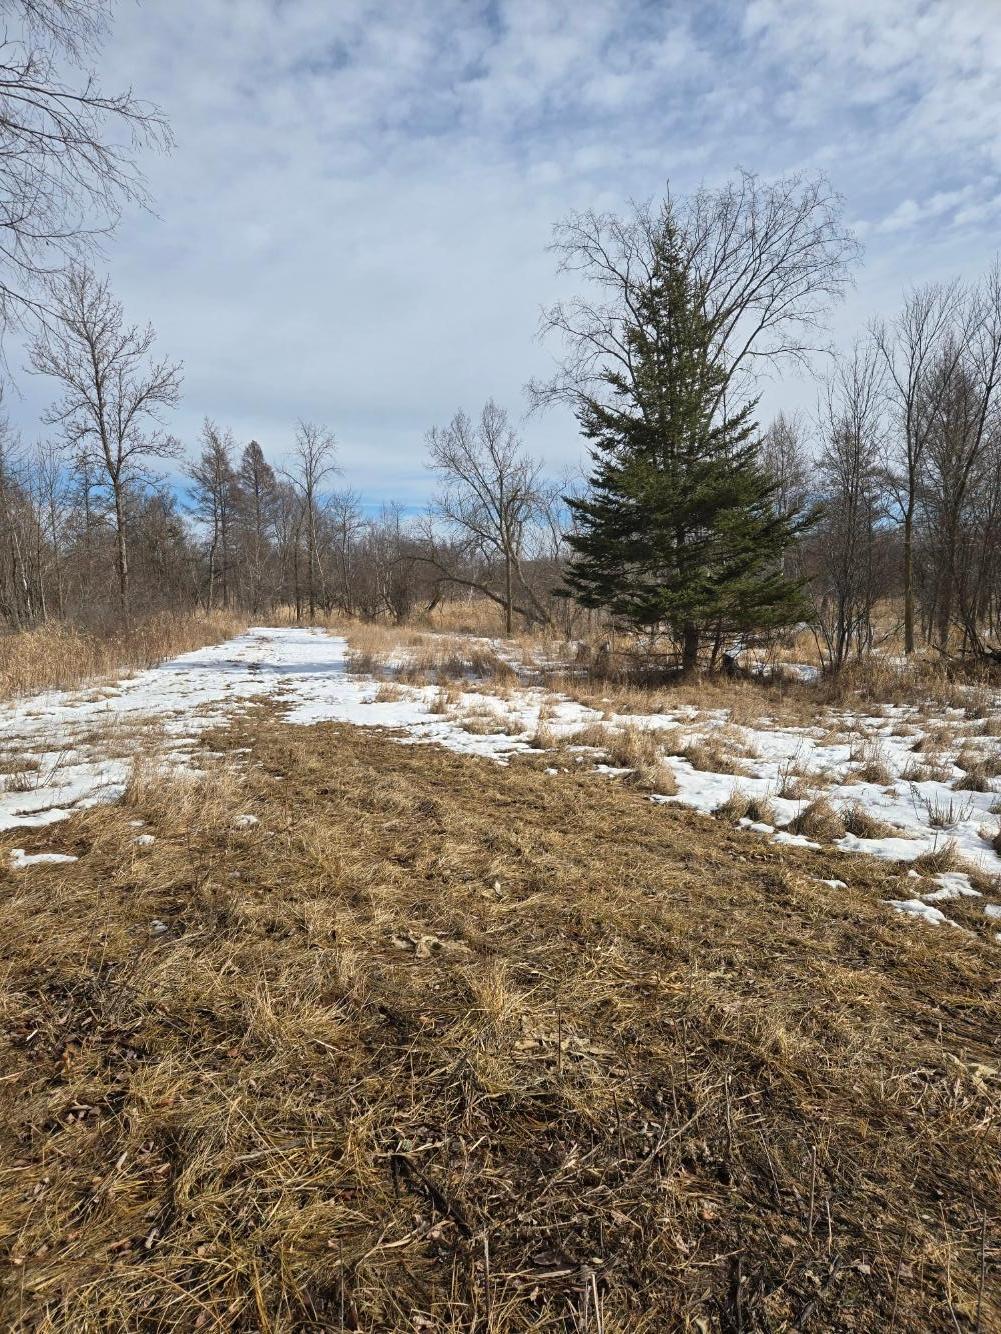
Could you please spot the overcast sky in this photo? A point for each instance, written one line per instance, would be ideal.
(353, 225)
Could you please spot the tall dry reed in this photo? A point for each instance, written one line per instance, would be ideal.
(58, 656)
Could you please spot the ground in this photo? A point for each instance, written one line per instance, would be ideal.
(319, 1030)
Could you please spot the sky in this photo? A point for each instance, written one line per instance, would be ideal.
(353, 225)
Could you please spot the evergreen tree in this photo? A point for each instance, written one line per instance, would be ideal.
(680, 532)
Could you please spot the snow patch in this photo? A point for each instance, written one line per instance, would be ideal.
(918, 908)
(19, 859)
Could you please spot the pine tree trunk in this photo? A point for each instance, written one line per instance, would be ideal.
(690, 649)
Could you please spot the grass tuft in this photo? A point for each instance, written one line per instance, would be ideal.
(819, 821)
(862, 824)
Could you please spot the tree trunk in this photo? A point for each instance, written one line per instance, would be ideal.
(909, 578)
(508, 597)
(690, 648)
(210, 597)
(311, 557)
(121, 554)
(295, 580)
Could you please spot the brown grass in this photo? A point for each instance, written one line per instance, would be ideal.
(491, 723)
(870, 762)
(594, 735)
(819, 821)
(863, 824)
(978, 778)
(447, 1046)
(981, 768)
(654, 776)
(741, 805)
(710, 757)
(58, 657)
(945, 857)
(934, 768)
(629, 747)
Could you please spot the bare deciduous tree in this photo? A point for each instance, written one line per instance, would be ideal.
(215, 497)
(114, 392)
(844, 550)
(768, 259)
(314, 463)
(924, 338)
(783, 457)
(490, 495)
(258, 497)
(67, 150)
(963, 392)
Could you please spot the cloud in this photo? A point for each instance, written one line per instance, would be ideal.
(353, 225)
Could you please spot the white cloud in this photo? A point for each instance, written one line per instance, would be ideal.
(353, 225)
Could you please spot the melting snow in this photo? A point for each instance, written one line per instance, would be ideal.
(80, 745)
(918, 908)
(19, 859)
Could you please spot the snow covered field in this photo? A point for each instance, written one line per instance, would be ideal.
(65, 750)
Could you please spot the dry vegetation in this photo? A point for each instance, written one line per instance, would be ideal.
(444, 1046)
(438, 648)
(56, 656)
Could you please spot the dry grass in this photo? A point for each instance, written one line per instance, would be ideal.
(418, 657)
(945, 857)
(981, 768)
(741, 805)
(442, 1046)
(641, 750)
(870, 762)
(946, 813)
(978, 778)
(629, 747)
(445, 1046)
(58, 657)
(489, 722)
(655, 776)
(862, 824)
(933, 769)
(709, 756)
(819, 821)
(595, 736)
(389, 693)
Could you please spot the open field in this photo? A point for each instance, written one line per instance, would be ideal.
(310, 1029)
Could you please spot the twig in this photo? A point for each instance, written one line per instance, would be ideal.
(486, 1275)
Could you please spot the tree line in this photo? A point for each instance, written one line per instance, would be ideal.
(696, 528)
